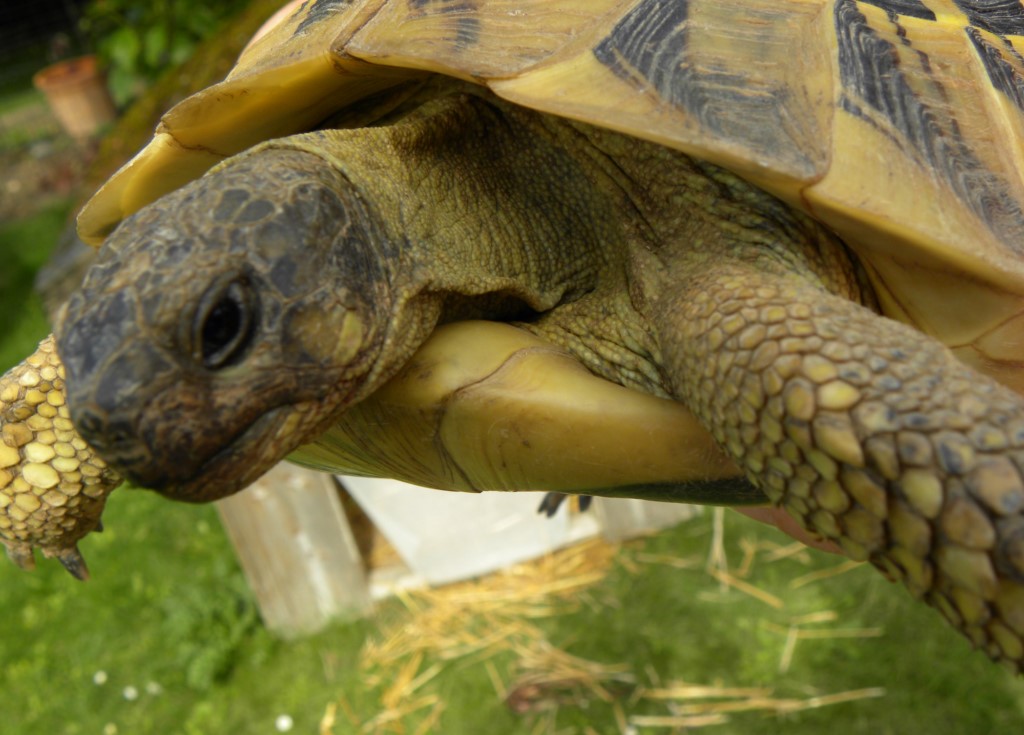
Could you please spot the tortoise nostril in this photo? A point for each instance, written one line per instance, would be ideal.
(106, 435)
(89, 424)
(120, 434)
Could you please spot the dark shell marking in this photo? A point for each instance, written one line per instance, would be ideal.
(912, 8)
(876, 88)
(313, 12)
(651, 47)
(1002, 17)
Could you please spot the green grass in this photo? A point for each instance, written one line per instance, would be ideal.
(167, 605)
(19, 99)
(169, 615)
(25, 246)
(21, 126)
(680, 624)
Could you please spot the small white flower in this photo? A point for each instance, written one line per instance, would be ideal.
(99, 678)
(110, 729)
(153, 688)
(130, 693)
(283, 723)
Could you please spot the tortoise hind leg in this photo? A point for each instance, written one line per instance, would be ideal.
(864, 430)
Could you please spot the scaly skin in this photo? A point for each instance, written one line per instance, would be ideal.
(868, 433)
(52, 484)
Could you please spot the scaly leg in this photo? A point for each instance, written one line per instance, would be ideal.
(864, 430)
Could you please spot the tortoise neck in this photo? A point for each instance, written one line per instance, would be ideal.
(487, 212)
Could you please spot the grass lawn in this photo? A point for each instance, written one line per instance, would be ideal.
(19, 100)
(25, 246)
(166, 638)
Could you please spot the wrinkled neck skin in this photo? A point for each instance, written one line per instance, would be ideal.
(486, 210)
(571, 231)
(677, 215)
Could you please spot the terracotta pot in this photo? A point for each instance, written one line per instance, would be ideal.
(77, 92)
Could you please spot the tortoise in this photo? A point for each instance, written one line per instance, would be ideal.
(733, 253)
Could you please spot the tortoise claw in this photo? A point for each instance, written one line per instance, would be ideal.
(22, 556)
(74, 562)
(553, 501)
(71, 558)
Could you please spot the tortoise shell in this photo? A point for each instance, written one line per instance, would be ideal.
(898, 123)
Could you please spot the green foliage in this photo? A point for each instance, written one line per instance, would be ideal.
(24, 247)
(166, 607)
(139, 41)
(207, 631)
(13, 139)
(19, 99)
(676, 624)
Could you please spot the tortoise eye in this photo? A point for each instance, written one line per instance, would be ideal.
(224, 325)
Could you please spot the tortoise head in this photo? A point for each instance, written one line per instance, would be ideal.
(225, 323)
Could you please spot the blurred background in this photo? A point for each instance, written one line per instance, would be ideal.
(107, 52)
(714, 623)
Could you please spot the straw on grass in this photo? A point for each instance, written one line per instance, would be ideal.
(728, 700)
(843, 568)
(472, 622)
(748, 589)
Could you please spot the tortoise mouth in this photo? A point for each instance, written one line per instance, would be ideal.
(241, 460)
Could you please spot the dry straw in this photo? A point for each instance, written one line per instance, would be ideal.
(474, 623)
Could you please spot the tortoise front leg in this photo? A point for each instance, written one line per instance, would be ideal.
(53, 486)
(864, 430)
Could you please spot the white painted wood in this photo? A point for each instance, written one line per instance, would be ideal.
(296, 548)
(624, 518)
(447, 536)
